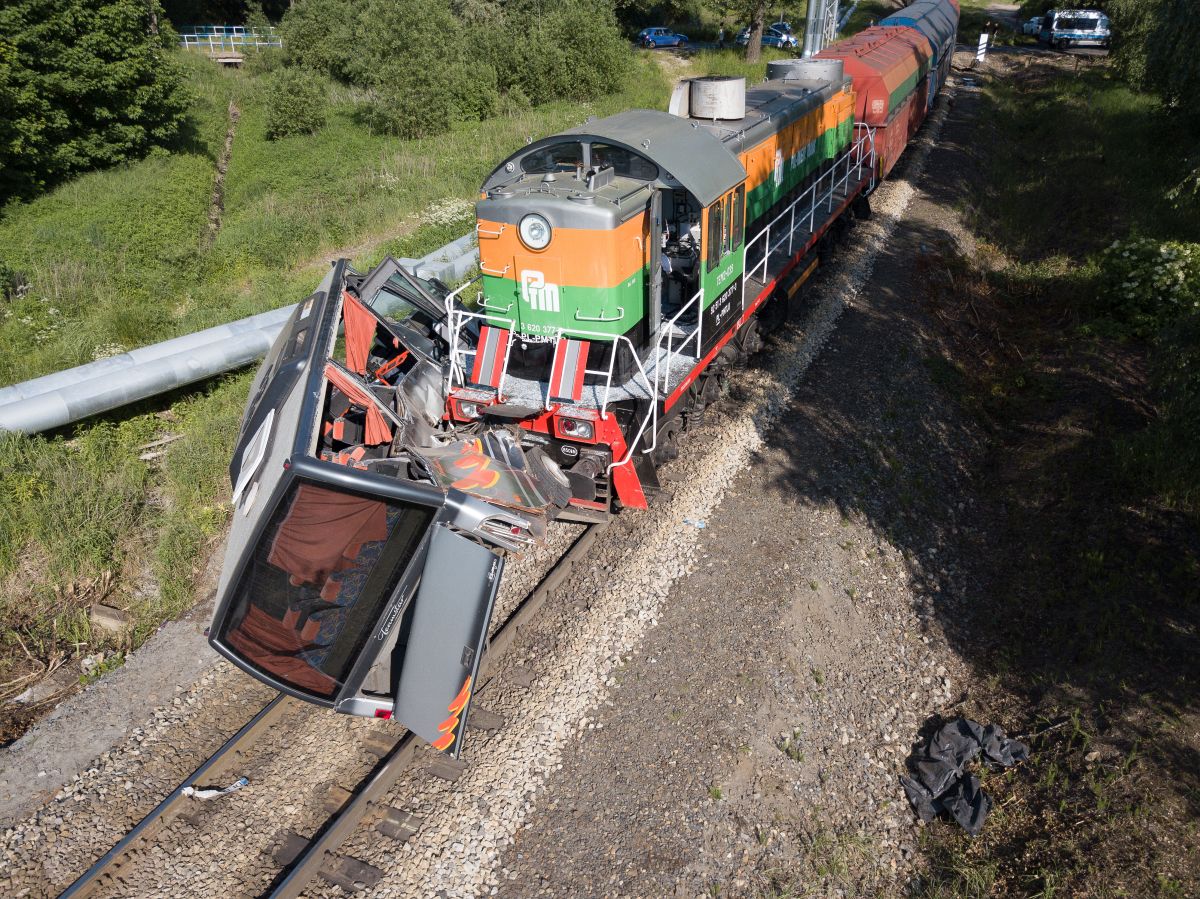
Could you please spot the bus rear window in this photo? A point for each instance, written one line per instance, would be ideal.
(320, 576)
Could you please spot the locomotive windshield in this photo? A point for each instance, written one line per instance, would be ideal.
(564, 157)
(624, 162)
(321, 574)
(570, 156)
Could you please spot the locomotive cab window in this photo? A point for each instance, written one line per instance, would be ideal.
(564, 157)
(624, 162)
(726, 221)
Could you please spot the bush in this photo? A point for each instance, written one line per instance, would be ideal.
(263, 61)
(418, 63)
(296, 103)
(1147, 284)
(1166, 456)
(430, 63)
(317, 35)
(573, 51)
(1155, 42)
(83, 84)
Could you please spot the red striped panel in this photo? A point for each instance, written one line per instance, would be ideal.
(489, 356)
(570, 362)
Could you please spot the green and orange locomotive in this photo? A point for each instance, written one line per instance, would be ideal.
(401, 438)
(617, 278)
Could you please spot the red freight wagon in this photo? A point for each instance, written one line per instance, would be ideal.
(890, 68)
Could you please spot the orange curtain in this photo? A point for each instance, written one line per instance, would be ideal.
(272, 646)
(377, 430)
(360, 332)
(324, 532)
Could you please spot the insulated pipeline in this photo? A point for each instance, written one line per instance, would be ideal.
(65, 397)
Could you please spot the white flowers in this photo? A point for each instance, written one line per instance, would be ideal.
(448, 212)
(1159, 279)
(107, 350)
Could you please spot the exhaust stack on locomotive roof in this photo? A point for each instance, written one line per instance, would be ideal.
(713, 97)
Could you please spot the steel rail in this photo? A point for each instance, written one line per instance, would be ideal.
(110, 862)
(307, 865)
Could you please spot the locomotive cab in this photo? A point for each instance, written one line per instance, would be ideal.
(602, 232)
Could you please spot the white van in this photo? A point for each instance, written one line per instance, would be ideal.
(1064, 28)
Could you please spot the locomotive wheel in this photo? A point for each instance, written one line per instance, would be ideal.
(711, 388)
(668, 443)
(750, 338)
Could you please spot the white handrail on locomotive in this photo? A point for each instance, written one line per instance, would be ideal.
(458, 319)
(618, 340)
(668, 331)
(814, 199)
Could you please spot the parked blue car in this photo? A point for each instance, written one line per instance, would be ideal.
(661, 37)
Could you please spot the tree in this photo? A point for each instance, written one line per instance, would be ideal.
(295, 103)
(426, 64)
(752, 11)
(1156, 44)
(220, 12)
(84, 84)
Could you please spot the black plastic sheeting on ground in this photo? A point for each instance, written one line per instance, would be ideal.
(940, 782)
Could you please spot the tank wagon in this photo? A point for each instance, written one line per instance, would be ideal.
(398, 442)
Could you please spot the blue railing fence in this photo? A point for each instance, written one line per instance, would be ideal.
(227, 38)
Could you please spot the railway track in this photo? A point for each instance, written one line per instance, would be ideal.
(302, 859)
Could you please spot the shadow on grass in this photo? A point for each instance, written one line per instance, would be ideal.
(965, 418)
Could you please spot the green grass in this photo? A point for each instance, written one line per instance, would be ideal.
(1084, 159)
(733, 62)
(115, 260)
(1091, 613)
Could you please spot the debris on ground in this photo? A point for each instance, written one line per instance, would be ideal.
(193, 793)
(941, 782)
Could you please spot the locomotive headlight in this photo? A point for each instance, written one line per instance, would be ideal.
(468, 410)
(575, 428)
(535, 231)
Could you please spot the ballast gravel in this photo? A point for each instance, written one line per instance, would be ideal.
(226, 843)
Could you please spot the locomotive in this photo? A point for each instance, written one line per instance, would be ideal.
(401, 438)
